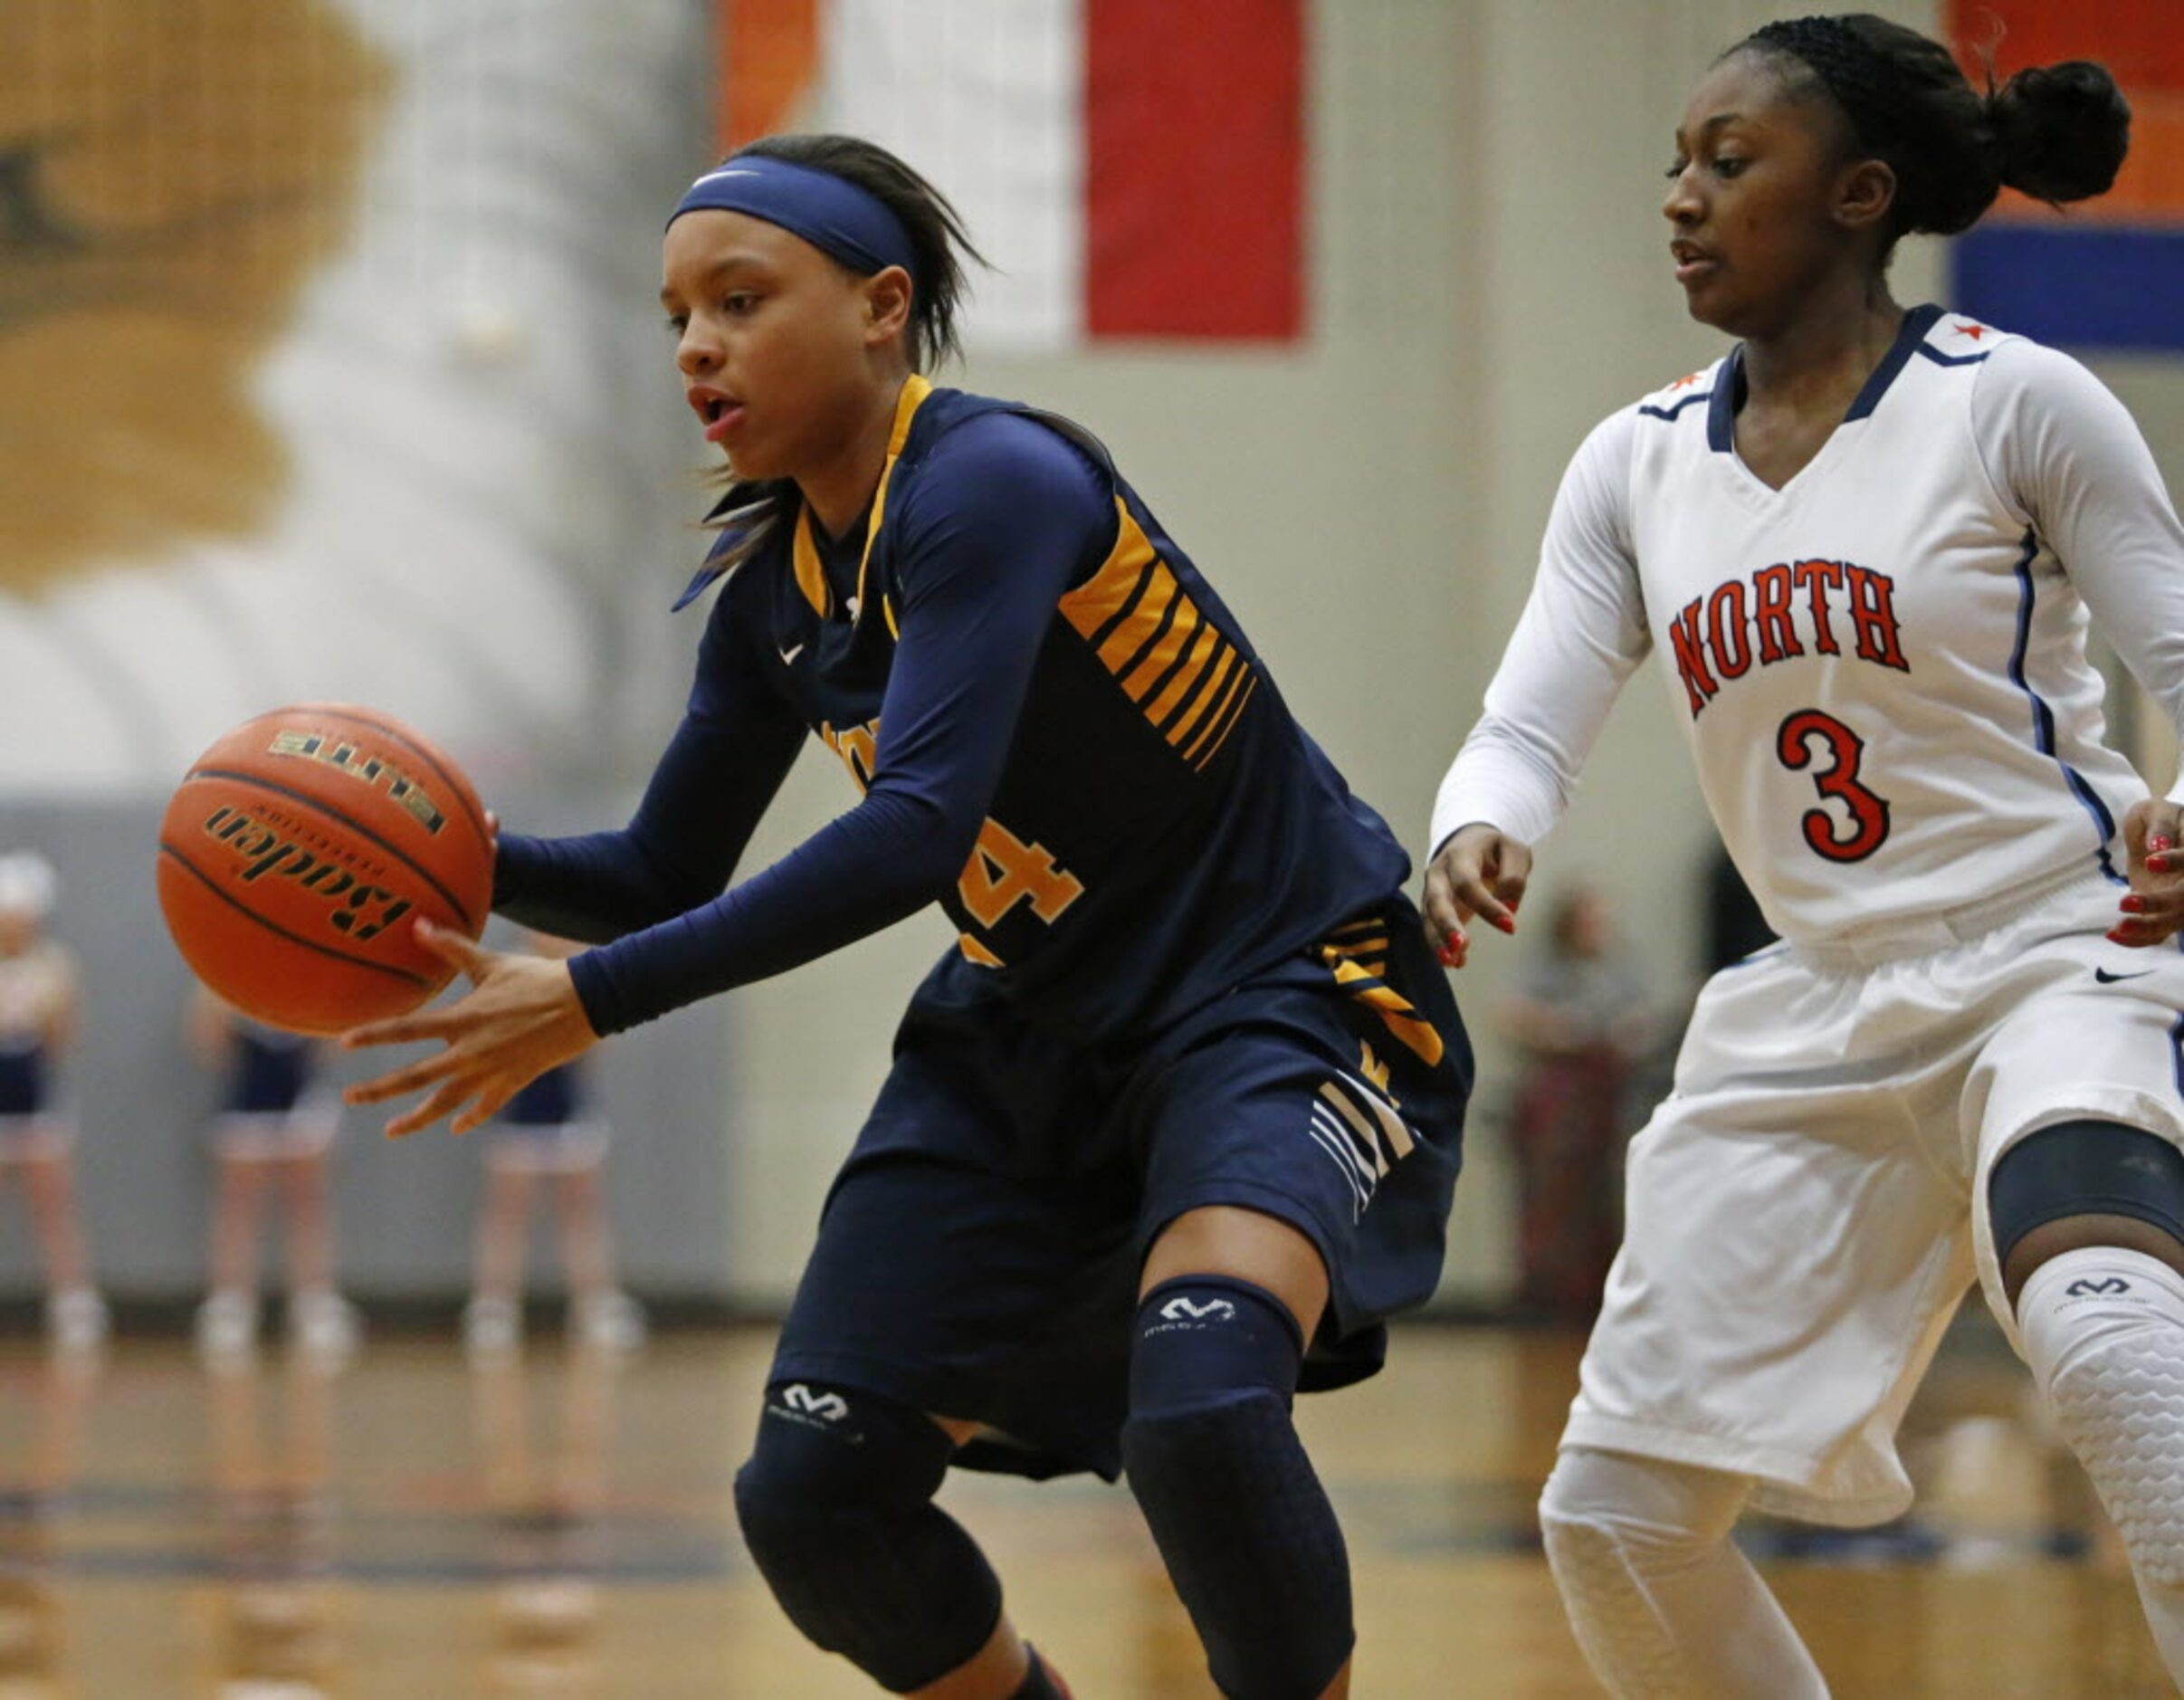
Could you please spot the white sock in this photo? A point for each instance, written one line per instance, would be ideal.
(1662, 1603)
(2103, 1332)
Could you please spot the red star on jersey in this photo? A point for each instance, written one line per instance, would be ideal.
(1975, 332)
(1685, 383)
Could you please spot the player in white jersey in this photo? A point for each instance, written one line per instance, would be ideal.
(1866, 548)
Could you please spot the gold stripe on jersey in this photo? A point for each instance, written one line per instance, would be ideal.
(1165, 654)
(1379, 1130)
(811, 577)
(1363, 982)
(975, 953)
(1207, 761)
(1223, 712)
(1103, 601)
(1190, 667)
(1184, 625)
(803, 551)
(1209, 690)
(1370, 944)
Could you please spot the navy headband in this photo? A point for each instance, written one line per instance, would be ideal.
(831, 213)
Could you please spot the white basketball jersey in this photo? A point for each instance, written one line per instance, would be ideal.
(1880, 667)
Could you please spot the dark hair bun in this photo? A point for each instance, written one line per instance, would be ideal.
(2064, 130)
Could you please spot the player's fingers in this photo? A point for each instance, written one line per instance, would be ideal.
(1485, 896)
(398, 1082)
(2159, 855)
(1441, 916)
(435, 1105)
(401, 1030)
(2160, 912)
(453, 947)
(488, 1103)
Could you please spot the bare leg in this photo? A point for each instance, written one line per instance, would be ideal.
(240, 1185)
(310, 1239)
(588, 1251)
(994, 1672)
(503, 1217)
(49, 1182)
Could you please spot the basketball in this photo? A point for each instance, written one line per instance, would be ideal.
(299, 852)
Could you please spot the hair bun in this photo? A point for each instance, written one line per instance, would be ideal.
(2064, 130)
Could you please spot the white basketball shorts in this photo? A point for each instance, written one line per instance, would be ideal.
(1807, 1207)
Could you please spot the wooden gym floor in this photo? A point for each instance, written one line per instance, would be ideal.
(412, 1530)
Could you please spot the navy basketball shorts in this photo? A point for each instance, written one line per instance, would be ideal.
(979, 1255)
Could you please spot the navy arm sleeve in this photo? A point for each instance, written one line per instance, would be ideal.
(736, 744)
(1006, 516)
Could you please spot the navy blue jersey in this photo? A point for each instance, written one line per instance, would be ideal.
(1061, 733)
(553, 1100)
(22, 1078)
(268, 1069)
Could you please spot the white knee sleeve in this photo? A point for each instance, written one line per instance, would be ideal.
(1662, 1603)
(2103, 1331)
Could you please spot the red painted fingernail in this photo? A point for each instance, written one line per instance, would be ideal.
(2133, 905)
(1447, 956)
(2161, 841)
(1508, 923)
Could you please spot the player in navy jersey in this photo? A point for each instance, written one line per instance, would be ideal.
(1866, 548)
(41, 1009)
(274, 1130)
(550, 1132)
(1189, 1063)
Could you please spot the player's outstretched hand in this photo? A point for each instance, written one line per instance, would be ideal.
(2153, 910)
(1480, 871)
(521, 1018)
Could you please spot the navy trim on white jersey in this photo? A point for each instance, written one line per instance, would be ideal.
(2044, 719)
(1909, 336)
(1670, 412)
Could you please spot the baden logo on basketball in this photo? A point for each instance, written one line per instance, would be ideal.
(360, 910)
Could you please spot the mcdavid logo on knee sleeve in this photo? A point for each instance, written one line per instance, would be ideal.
(2087, 1288)
(822, 1411)
(1181, 1309)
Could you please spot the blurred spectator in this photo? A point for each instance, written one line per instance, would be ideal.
(546, 1130)
(274, 1130)
(40, 1006)
(1581, 1017)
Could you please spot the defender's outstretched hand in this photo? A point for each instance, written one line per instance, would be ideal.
(2153, 912)
(521, 1018)
(1480, 870)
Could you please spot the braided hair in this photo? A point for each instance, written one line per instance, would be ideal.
(2058, 132)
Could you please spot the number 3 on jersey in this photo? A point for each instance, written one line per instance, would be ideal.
(1810, 735)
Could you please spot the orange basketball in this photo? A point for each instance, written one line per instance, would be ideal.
(298, 854)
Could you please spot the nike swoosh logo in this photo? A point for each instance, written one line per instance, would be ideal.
(788, 659)
(2106, 979)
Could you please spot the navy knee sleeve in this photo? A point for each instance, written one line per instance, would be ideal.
(1241, 1522)
(2085, 1168)
(836, 1507)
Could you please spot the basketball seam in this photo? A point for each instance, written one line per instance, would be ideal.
(213, 886)
(458, 788)
(350, 821)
